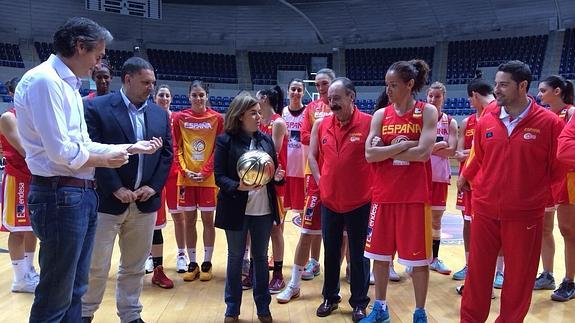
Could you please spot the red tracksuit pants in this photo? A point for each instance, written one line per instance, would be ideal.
(520, 240)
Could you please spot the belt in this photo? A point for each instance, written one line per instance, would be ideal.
(62, 181)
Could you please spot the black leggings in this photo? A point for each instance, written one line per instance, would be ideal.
(158, 238)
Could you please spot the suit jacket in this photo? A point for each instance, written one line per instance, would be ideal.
(231, 207)
(109, 123)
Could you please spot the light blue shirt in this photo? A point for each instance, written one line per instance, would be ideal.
(139, 125)
(51, 122)
(511, 124)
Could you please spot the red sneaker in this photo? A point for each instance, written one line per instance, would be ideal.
(277, 283)
(160, 279)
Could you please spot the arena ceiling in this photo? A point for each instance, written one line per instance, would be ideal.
(341, 22)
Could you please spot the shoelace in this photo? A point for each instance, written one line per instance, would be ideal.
(564, 288)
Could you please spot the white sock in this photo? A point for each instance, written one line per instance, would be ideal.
(466, 257)
(247, 253)
(296, 273)
(20, 269)
(383, 303)
(29, 257)
(192, 254)
(181, 251)
(208, 252)
(499, 266)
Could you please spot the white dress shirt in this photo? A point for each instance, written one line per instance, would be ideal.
(138, 120)
(51, 122)
(511, 124)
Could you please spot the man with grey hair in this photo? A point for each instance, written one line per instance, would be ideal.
(129, 196)
(338, 141)
(61, 157)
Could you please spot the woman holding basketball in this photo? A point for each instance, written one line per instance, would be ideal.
(242, 208)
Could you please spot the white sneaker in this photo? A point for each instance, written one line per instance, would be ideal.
(182, 263)
(149, 265)
(287, 294)
(33, 275)
(393, 276)
(26, 285)
(371, 278)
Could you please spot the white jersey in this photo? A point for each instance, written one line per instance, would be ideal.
(440, 169)
(295, 149)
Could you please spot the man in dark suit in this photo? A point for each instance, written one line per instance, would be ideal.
(130, 195)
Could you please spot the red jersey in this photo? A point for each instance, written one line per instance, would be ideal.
(468, 135)
(513, 174)
(345, 181)
(399, 181)
(564, 191)
(315, 110)
(15, 163)
(195, 141)
(282, 154)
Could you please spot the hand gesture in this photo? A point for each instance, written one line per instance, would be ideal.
(279, 174)
(463, 184)
(440, 145)
(125, 195)
(116, 158)
(146, 146)
(376, 142)
(144, 193)
(244, 187)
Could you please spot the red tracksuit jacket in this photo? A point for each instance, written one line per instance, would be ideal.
(512, 174)
(566, 145)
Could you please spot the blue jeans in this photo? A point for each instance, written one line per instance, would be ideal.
(260, 228)
(332, 224)
(64, 220)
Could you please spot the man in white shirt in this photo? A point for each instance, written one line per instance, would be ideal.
(61, 157)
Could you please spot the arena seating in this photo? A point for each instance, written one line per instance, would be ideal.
(10, 55)
(116, 59)
(44, 50)
(465, 56)
(264, 65)
(188, 66)
(567, 66)
(367, 66)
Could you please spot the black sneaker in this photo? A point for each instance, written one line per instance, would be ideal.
(565, 292)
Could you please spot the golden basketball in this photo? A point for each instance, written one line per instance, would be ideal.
(255, 167)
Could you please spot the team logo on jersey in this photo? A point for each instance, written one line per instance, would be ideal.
(198, 147)
(197, 125)
(489, 134)
(309, 210)
(324, 140)
(417, 113)
(390, 129)
(529, 136)
(20, 211)
(469, 132)
(354, 137)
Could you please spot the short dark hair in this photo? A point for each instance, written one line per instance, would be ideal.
(102, 65)
(347, 84)
(519, 71)
(480, 86)
(134, 65)
(415, 69)
(79, 29)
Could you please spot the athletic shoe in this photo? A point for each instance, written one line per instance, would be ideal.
(149, 265)
(193, 272)
(206, 273)
(419, 316)
(371, 278)
(459, 290)
(393, 276)
(33, 275)
(347, 275)
(565, 292)
(160, 279)
(544, 281)
(247, 282)
(438, 266)
(277, 283)
(310, 270)
(25, 285)
(377, 315)
(498, 282)
(288, 294)
(182, 263)
(460, 275)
